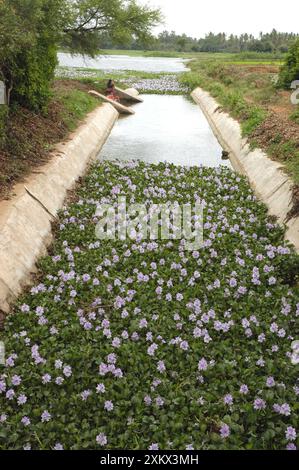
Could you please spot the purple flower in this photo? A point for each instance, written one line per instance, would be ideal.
(151, 349)
(202, 365)
(143, 323)
(108, 406)
(291, 446)
(26, 421)
(46, 378)
(147, 400)
(85, 394)
(118, 373)
(259, 404)
(10, 361)
(86, 277)
(2, 386)
(291, 433)
(116, 342)
(67, 370)
(22, 399)
(16, 380)
(103, 369)
(224, 431)
(244, 389)
(45, 417)
(111, 358)
(283, 409)
(10, 394)
(101, 439)
(39, 310)
(159, 402)
(154, 447)
(184, 345)
(25, 308)
(101, 388)
(270, 382)
(161, 367)
(189, 447)
(3, 418)
(58, 446)
(228, 400)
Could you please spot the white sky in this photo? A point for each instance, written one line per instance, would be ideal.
(197, 17)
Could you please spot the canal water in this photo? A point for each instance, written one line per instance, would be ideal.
(123, 62)
(165, 128)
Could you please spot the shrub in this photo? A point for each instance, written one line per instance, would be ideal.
(290, 70)
(33, 75)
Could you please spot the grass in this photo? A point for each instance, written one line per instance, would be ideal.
(247, 57)
(76, 104)
(295, 115)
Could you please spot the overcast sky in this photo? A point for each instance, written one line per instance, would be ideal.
(197, 17)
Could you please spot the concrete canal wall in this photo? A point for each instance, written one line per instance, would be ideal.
(267, 178)
(25, 220)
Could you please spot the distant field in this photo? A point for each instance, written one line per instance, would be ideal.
(252, 58)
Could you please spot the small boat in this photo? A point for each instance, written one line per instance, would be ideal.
(131, 94)
(119, 107)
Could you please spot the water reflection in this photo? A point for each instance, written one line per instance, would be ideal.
(123, 62)
(165, 128)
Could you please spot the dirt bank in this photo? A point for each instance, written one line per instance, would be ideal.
(30, 136)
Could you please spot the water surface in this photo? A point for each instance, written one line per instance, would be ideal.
(123, 62)
(164, 128)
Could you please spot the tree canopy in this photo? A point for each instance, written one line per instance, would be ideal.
(87, 21)
(273, 42)
(32, 30)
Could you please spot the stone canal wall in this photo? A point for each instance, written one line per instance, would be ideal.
(270, 183)
(25, 220)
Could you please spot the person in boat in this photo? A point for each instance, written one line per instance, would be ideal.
(111, 92)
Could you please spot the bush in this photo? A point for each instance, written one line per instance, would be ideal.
(28, 36)
(290, 70)
(33, 75)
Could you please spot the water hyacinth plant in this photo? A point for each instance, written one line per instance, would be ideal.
(140, 344)
(165, 84)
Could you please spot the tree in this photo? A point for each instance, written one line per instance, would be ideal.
(290, 70)
(87, 20)
(32, 30)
